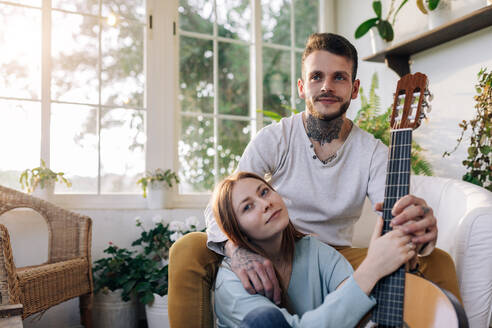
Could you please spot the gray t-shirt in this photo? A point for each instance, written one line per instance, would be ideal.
(322, 199)
(317, 270)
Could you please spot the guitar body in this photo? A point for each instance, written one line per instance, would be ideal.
(427, 306)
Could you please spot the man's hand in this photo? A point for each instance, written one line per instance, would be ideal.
(255, 272)
(413, 216)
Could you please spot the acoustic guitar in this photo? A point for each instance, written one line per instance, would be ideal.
(404, 299)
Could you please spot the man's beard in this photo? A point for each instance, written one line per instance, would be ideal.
(326, 117)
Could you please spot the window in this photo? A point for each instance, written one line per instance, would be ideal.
(72, 92)
(234, 57)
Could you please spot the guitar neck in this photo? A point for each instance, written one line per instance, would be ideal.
(390, 291)
(398, 172)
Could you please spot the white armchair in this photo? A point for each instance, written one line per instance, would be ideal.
(464, 220)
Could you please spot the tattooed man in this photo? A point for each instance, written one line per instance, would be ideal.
(324, 166)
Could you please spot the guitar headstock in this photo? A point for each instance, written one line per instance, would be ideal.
(411, 102)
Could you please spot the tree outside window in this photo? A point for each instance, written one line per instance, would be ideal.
(217, 118)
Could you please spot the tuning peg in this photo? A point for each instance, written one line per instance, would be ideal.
(428, 95)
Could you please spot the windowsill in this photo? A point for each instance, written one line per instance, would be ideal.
(122, 202)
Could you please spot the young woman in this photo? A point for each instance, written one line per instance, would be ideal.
(319, 286)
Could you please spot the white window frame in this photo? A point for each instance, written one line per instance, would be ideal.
(256, 80)
(82, 200)
(161, 65)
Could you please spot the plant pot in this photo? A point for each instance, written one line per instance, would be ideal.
(378, 44)
(156, 313)
(157, 195)
(439, 16)
(110, 311)
(46, 192)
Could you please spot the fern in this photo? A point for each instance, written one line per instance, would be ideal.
(369, 119)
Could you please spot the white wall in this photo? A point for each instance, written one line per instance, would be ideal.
(451, 68)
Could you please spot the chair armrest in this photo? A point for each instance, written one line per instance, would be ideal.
(9, 284)
(474, 264)
(69, 232)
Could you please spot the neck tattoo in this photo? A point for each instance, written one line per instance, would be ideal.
(323, 131)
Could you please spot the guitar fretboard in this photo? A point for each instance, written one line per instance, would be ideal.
(389, 292)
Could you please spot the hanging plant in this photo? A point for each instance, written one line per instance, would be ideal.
(479, 160)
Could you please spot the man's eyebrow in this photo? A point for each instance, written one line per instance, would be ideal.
(343, 73)
(247, 198)
(314, 72)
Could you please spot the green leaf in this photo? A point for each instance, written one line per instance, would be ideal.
(385, 30)
(365, 27)
(376, 5)
(485, 150)
(433, 4)
(147, 298)
(142, 286)
(472, 152)
(273, 115)
(127, 287)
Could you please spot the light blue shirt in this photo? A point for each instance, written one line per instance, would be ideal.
(317, 270)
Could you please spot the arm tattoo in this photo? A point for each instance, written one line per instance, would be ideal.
(244, 259)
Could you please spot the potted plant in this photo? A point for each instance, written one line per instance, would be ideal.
(114, 279)
(41, 180)
(158, 182)
(156, 243)
(479, 160)
(439, 11)
(380, 25)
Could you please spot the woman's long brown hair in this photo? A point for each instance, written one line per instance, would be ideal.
(227, 221)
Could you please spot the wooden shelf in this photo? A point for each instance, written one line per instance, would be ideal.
(397, 56)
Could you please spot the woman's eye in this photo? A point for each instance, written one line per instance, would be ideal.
(247, 207)
(264, 192)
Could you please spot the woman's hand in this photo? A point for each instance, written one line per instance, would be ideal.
(386, 254)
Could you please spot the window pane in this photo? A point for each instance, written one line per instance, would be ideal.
(75, 53)
(275, 21)
(20, 132)
(80, 6)
(36, 3)
(123, 79)
(276, 80)
(196, 75)
(233, 139)
(233, 79)
(234, 19)
(132, 9)
(122, 150)
(196, 15)
(196, 155)
(306, 20)
(74, 146)
(299, 103)
(20, 55)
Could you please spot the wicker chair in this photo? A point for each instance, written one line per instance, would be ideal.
(66, 274)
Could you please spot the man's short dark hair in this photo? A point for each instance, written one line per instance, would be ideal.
(334, 43)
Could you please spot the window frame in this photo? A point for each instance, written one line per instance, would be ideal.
(103, 201)
(256, 45)
(162, 122)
